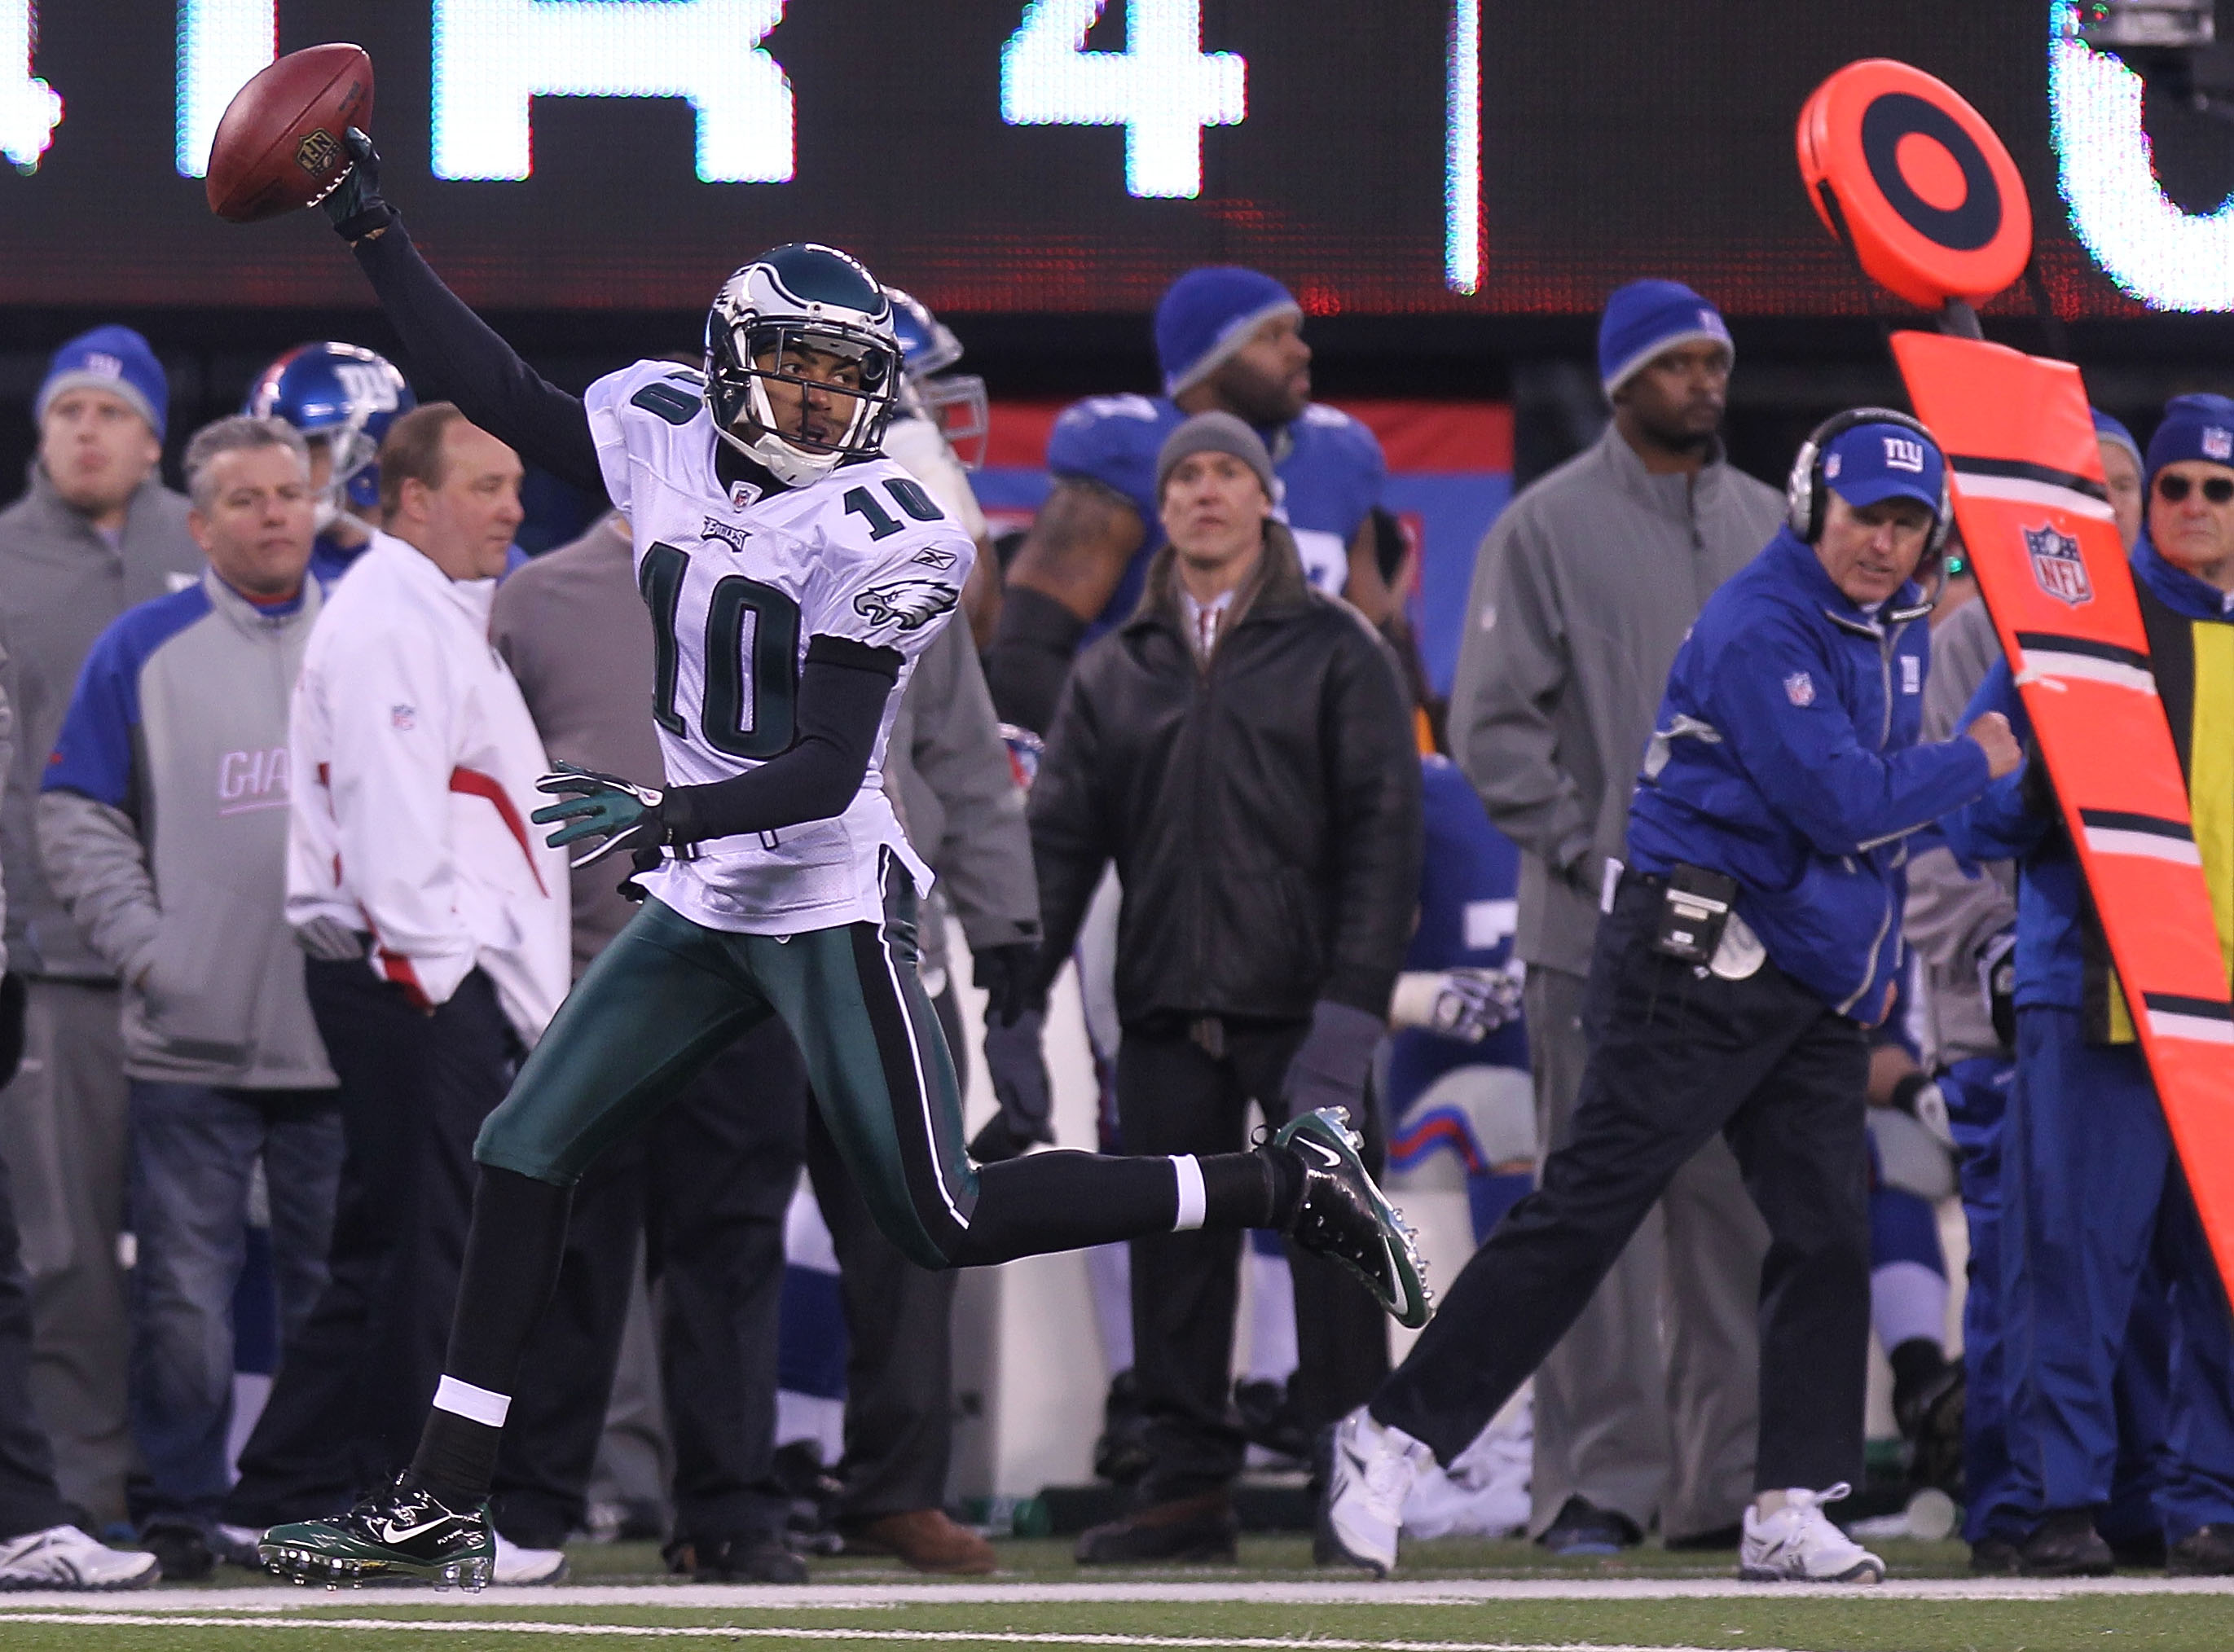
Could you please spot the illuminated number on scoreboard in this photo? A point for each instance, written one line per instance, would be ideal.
(750, 705)
(29, 109)
(1163, 89)
(223, 45)
(492, 57)
(2166, 257)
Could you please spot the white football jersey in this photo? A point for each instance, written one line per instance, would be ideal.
(737, 584)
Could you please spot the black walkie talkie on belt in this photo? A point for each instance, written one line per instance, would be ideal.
(1694, 908)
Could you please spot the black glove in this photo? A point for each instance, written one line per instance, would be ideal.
(1997, 984)
(1019, 1073)
(353, 206)
(14, 997)
(627, 816)
(1919, 1096)
(1008, 975)
(1329, 1067)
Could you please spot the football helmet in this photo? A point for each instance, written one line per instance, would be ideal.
(956, 403)
(802, 296)
(344, 396)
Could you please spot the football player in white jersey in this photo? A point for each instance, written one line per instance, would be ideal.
(794, 575)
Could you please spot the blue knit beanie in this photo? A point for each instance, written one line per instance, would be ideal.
(2195, 426)
(2113, 431)
(115, 359)
(1646, 317)
(1207, 314)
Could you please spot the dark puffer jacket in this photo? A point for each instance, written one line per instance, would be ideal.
(1262, 811)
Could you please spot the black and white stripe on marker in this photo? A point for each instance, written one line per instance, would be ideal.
(2022, 483)
(2207, 1020)
(2120, 831)
(2050, 654)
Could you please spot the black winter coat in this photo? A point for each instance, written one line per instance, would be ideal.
(1262, 811)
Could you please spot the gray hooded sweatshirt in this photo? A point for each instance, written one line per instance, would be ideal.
(1583, 591)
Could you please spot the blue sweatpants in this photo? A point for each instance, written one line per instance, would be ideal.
(2093, 1195)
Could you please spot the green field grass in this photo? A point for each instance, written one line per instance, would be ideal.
(1273, 1601)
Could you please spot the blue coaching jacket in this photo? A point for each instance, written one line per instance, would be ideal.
(2062, 958)
(1784, 756)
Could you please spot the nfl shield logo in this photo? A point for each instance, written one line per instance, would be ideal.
(1799, 688)
(2056, 565)
(2218, 444)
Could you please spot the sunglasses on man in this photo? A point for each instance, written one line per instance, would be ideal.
(2217, 489)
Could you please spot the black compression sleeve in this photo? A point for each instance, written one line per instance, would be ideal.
(1030, 656)
(841, 705)
(461, 358)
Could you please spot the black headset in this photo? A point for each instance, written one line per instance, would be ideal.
(1803, 494)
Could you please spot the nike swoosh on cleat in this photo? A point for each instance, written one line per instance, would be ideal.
(1327, 1155)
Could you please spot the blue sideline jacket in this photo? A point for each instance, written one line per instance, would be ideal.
(1784, 756)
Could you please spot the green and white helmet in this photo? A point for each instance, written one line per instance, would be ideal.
(804, 296)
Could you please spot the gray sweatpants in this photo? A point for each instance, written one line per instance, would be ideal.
(1650, 1405)
(64, 1132)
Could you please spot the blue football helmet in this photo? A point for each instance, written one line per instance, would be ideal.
(956, 403)
(344, 396)
(802, 296)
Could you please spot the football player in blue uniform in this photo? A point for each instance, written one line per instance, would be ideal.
(1228, 339)
(794, 574)
(343, 398)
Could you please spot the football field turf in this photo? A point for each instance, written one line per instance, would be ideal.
(1452, 1597)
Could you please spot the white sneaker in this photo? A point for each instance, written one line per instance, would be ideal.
(1798, 1544)
(516, 1565)
(62, 1557)
(1361, 1510)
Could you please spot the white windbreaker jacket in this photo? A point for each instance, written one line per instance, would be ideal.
(416, 762)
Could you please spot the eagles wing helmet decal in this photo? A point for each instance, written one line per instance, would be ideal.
(909, 603)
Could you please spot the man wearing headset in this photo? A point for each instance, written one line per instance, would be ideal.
(1751, 940)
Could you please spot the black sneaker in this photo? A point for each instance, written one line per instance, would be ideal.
(1582, 1527)
(2207, 1551)
(1993, 1557)
(405, 1534)
(2064, 1545)
(748, 1557)
(1344, 1216)
(181, 1551)
(1202, 1527)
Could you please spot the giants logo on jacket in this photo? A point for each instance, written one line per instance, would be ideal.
(2057, 565)
(248, 781)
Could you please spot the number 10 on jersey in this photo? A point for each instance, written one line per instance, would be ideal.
(750, 658)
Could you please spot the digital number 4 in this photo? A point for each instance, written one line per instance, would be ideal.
(1163, 89)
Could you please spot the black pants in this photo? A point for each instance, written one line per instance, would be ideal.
(1676, 1056)
(353, 1386)
(708, 1182)
(28, 1501)
(1175, 1097)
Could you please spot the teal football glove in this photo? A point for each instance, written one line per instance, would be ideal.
(627, 816)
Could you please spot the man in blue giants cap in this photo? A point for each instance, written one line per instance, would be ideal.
(95, 533)
(1750, 942)
(1227, 340)
(2094, 1197)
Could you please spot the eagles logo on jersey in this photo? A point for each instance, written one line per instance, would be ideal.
(911, 604)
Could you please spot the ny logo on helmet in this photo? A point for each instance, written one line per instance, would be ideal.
(2057, 565)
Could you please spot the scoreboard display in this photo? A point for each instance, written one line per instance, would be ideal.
(1382, 156)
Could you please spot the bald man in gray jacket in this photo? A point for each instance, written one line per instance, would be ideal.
(1583, 590)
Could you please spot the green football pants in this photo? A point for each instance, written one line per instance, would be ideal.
(667, 995)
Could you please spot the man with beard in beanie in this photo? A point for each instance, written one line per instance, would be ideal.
(1583, 590)
(1228, 340)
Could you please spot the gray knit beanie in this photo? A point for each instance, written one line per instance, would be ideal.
(1219, 433)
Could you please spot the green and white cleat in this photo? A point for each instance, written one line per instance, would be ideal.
(403, 1535)
(1343, 1215)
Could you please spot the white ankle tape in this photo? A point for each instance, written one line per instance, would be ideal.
(475, 1405)
(1194, 1202)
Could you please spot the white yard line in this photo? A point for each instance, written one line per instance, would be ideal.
(1000, 1637)
(1446, 1591)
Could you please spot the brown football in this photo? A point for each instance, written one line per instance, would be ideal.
(282, 143)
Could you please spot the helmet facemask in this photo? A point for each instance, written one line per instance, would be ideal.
(774, 398)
